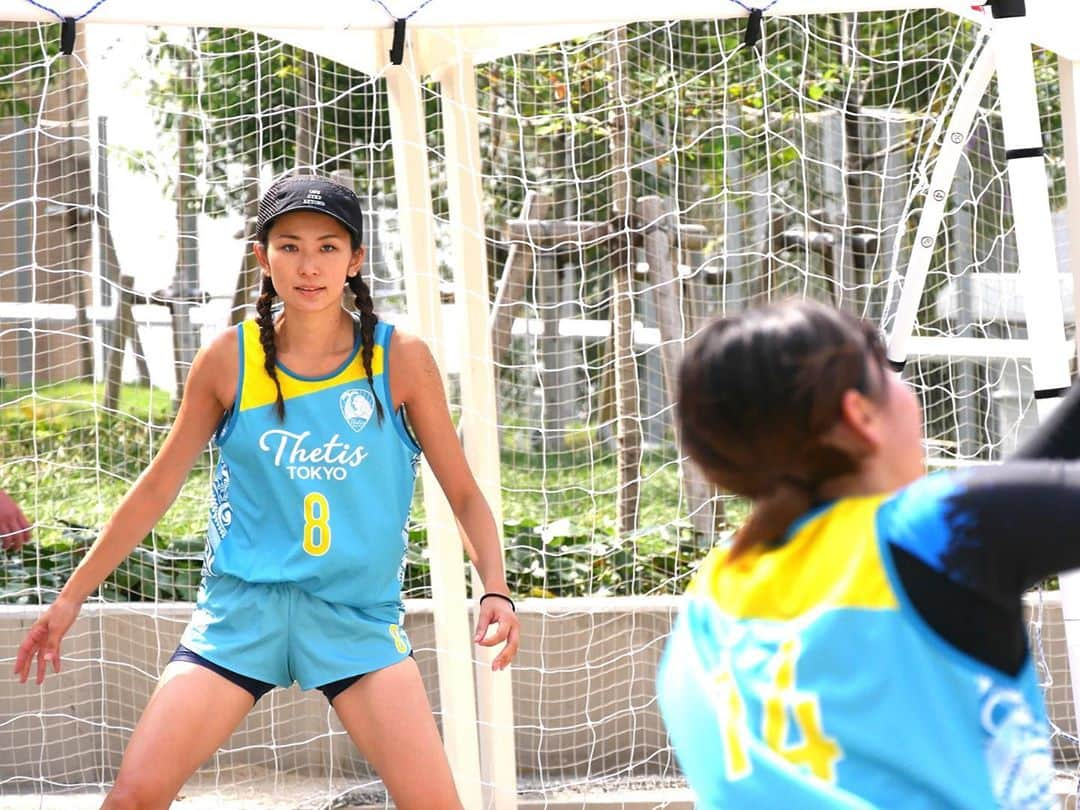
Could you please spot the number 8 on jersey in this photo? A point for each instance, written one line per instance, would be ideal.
(316, 524)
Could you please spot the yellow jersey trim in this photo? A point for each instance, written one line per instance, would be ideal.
(257, 389)
(833, 561)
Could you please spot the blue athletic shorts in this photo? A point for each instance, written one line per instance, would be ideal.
(276, 633)
(257, 688)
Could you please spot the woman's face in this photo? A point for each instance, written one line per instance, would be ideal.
(902, 438)
(309, 257)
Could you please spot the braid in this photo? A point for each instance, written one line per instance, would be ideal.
(266, 338)
(772, 516)
(366, 307)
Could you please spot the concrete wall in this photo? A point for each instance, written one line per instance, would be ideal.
(583, 692)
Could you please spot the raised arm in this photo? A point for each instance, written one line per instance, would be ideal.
(967, 545)
(1059, 435)
(206, 398)
(419, 386)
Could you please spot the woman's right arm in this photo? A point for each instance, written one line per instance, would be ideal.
(1058, 436)
(206, 398)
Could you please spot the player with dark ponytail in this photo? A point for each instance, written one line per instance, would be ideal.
(860, 642)
(319, 415)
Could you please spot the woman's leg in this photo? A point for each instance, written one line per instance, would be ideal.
(190, 715)
(388, 716)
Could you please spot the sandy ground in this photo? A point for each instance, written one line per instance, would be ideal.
(301, 794)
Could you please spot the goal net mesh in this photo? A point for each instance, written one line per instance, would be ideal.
(636, 183)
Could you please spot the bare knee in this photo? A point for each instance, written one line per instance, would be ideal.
(130, 794)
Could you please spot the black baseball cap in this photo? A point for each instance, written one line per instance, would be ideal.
(310, 192)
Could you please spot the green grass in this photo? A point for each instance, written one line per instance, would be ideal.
(74, 397)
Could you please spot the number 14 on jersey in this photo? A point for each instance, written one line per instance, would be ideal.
(783, 707)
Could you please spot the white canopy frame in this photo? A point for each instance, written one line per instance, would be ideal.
(446, 39)
(1008, 56)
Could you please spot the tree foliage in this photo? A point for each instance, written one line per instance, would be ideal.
(255, 100)
(26, 52)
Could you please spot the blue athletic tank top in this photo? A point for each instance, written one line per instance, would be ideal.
(321, 499)
(801, 676)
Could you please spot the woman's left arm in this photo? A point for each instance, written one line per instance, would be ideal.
(420, 386)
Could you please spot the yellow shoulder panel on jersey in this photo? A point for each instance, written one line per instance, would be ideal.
(258, 388)
(833, 561)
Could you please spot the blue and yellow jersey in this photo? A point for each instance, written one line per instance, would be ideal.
(801, 676)
(319, 500)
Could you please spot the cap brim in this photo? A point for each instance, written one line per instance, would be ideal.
(319, 209)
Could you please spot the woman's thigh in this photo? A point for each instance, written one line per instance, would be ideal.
(388, 716)
(190, 715)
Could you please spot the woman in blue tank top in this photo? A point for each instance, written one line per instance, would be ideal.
(306, 537)
(861, 642)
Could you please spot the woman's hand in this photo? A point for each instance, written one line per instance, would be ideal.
(498, 611)
(43, 640)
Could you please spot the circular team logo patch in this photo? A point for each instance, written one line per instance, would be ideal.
(357, 405)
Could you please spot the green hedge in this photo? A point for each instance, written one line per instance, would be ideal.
(539, 562)
(68, 463)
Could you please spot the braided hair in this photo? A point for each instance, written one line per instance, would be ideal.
(264, 308)
(366, 307)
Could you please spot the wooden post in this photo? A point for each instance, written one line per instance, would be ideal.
(126, 329)
(479, 416)
(306, 116)
(248, 279)
(186, 279)
(666, 303)
(77, 245)
(109, 273)
(25, 212)
(669, 309)
(627, 414)
(554, 386)
(511, 286)
(452, 635)
(115, 289)
(896, 168)
(707, 514)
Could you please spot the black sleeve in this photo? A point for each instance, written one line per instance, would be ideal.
(1013, 525)
(1059, 435)
(967, 547)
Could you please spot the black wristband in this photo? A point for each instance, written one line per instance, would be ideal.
(513, 607)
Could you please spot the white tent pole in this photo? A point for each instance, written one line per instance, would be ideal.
(333, 15)
(1034, 228)
(453, 639)
(1035, 248)
(1069, 74)
(479, 418)
(937, 195)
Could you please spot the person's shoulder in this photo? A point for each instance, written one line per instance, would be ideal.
(928, 489)
(217, 365)
(406, 339)
(410, 351)
(413, 370)
(916, 516)
(224, 348)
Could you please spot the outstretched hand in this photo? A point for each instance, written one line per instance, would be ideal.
(43, 640)
(14, 527)
(497, 611)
